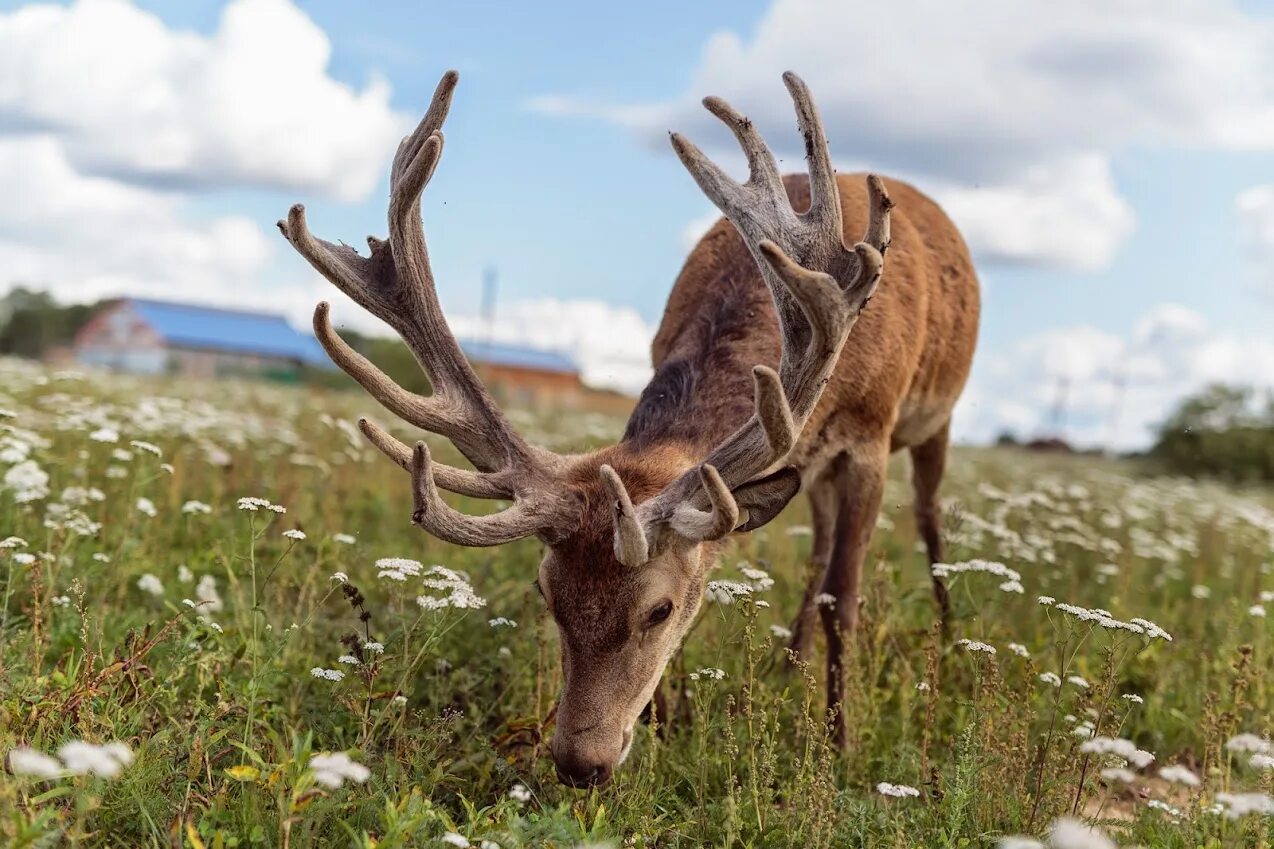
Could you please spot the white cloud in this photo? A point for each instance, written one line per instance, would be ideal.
(1113, 389)
(1009, 111)
(1256, 231)
(696, 228)
(89, 237)
(611, 344)
(252, 104)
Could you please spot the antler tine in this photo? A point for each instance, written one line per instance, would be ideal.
(720, 519)
(631, 546)
(431, 123)
(762, 169)
(459, 481)
(824, 195)
(437, 517)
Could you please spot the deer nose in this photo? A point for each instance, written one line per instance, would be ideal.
(582, 774)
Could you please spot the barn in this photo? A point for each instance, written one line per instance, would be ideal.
(528, 378)
(142, 336)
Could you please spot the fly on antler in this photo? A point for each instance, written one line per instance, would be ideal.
(760, 387)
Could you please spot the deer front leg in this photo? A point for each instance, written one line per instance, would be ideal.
(860, 484)
(823, 499)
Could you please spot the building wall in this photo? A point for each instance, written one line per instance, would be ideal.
(532, 388)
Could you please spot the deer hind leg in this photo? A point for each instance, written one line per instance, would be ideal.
(860, 484)
(928, 460)
(824, 498)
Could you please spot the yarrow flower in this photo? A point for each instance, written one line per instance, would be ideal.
(710, 673)
(725, 592)
(340, 577)
(1134, 698)
(148, 583)
(344, 539)
(294, 534)
(253, 504)
(1248, 742)
(26, 761)
(398, 568)
(1235, 805)
(372, 647)
(459, 594)
(1178, 774)
(1078, 681)
(1019, 650)
(192, 507)
(327, 674)
(976, 646)
(501, 622)
(332, 769)
(519, 794)
(147, 507)
(148, 447)
(898, 791)
(104, 761)
(990, 567)
(1119, 747)
(780, 632)
(1051, 678)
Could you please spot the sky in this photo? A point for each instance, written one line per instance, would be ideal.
(1110, 162)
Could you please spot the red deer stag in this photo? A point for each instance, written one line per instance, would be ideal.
(759, 387)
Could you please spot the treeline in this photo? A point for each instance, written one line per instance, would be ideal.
(1224, 432)
(32, 323)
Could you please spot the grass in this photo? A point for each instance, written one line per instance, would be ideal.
(221, 712)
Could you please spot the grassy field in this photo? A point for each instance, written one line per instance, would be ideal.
(267, 683)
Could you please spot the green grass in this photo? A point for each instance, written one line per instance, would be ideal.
(222, 714)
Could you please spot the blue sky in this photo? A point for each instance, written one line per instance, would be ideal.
(1108, 162)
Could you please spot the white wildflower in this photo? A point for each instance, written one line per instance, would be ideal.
(1134, 698)
(327, 674)
(1012, 587)
(1256, 610)
(148, 447)
(147, 507)
(1200, 592)
(710, 673)
(340, 577)
(725, 592)
(898, 791)
(105, 434)
(209, 599)
(1119, 774)
(1051, 678)
(825, 600)
(148, 583)
(294, 534)
(332, 769)
(1248, 742)
(28, 481)
(192, 507)
(184, 574)
(976, 646)
(923, 686)
(1237, 805)
(1019, 650)
(453, 839)
(501, 622)
(1178, 774)
(61, 601)
(519, 794)
(104, 761)
(1119, 747)
(1046, 600)
(1260, 761)
(1069, 833)
(25, 761)
(1078, 681)
(780, 632)
(348, 659)
(344, 539)
(13, 542)
(23, 558)
(374, 648)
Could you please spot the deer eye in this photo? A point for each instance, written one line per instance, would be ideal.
(659, 614)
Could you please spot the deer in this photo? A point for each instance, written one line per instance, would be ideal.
(760, 390)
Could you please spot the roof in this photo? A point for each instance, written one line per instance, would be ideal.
(215, 329)
(515, 356)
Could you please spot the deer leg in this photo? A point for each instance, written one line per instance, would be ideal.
(823, 499)
(928, 460)
(860, 484)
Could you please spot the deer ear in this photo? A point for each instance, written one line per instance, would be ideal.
(765, 498)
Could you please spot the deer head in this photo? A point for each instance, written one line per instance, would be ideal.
(629, 531)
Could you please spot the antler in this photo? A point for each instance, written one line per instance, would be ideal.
(819, 287)
(396, 284)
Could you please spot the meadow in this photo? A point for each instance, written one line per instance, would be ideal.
(220, 629)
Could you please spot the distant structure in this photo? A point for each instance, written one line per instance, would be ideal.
(141, 336)
(527, 377)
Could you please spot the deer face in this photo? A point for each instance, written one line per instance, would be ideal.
(619, 627)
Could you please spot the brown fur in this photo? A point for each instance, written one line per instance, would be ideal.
(894, 386)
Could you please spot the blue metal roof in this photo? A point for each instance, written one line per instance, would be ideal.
(213, 329)
(515, 356)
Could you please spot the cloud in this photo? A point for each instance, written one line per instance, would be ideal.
(1009, 112)
(1256, 232)
(611, 344)
(88, 237)
(250, 105)
(1111, 389)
